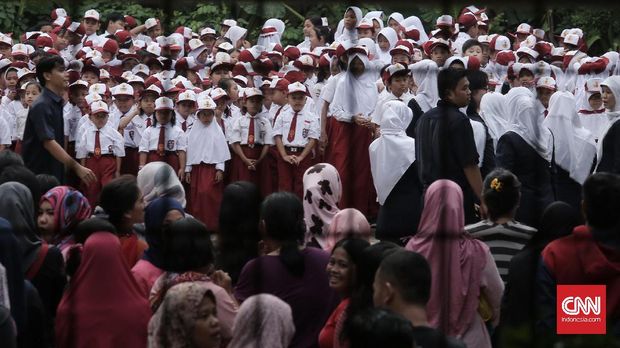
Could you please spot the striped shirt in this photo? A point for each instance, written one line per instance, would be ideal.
(504, 240)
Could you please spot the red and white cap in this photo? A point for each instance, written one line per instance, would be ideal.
(62, 22)
(5, 39)
(547, 82)
(218, 93)
(467, 20)
(195, 44)
(292, 52)
(434, 42)
(187, 95)
(206, 103)
(150, 23)
(500, 43)
(304, 62)
(539, 34)
(252, 92)
(22, 50)
(152, 89)
(572, 39)
(45, 40)
(185, 31)
(104, 75)
(576, 31)
(505, 57)
(524, 50)
(79, 83)
(365, 24)
(135, 79)
(394, 69)
(110, 46)
(122, 89)
(154, 48)
(240, 79)
(484, 39)
(98, 106)
(222, 60)
(296, 87)
(91, 14)
(208, 32)
(130, 21)
(229, 22)
(279, 84)
(77, 28)
(99, 88)
(141, 69)
(225, 46)
(444, 21)
(530, 42)
(593, 86)
(92, 97)
(251, 54)
(524, 28)
(412, 32)
(21, 73)
(57, 13)
(164, 103)
(557, 52)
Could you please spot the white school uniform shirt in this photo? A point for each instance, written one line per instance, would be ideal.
(135, 129)
(110, 139)
(12, 111)
(5, 132)
(307, 127)
(274, 110)
(207, 144)
(189, 121)
(92, 37)
(176, 139)
(71, 115)
(82, 125)
(115, 116)
(385, 97)
(263, 132)
(328, 91)
(596, 123)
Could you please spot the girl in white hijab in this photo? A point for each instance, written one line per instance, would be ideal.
(574, 147)
(236, 35)
(271, 32)
(395, 21)
(608, 158)
(495, 115)
(352, 18)
(425, 77)
(386, 40)
(395, 177)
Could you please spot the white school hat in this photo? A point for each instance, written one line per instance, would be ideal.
(188, 95)
(206, 103)
(252, 92)
(92, 97)
(229, 22)
(123, 89)
(164, 103)
(547, 82)
(93, 14)
(297, 87)
(572, 39)
(150, 23)
(99, 106)
(593, 86)
(218, 93)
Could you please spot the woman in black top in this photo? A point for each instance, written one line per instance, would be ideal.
(526, 150)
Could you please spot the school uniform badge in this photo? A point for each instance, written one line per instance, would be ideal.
(170, 145)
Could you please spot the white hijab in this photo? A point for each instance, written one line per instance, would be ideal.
(613, 83)
(343, 33)
(235, 34)
(415, 21)
(357, 94)
(371, 46)
(271, 38)
(158, 179)
(575, 146)
(393, 152)
(425, 77)
(392, 37)
(528, 122)
(495, 115)
(208, 144)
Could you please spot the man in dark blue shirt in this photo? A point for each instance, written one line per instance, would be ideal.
(44, 130)
(445, 146)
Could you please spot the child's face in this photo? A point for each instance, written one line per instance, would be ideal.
(399, 85)
(107, 56)
(233, 92)
(221, 104)
(78, 96)
(384, 44)
(526, 79)
(60, 43)
(365, 33)
(544, 94)
(595, 101)
(268, 94)
(394, 25)
(400, 58)
(124, 102)
(185, 107)
(11, 79)
(439, 55)
(254, 104)
(608, 98)
(279, 97)
(5, 49)
(137, 89)
(206, 116)
(356, 67)
(31, 94)
(90, 77)
(163, 116)
(99, 119)
(474, 51)
(218, 75)
(90, 26)
(155, 31)
(45, 220)
(350, 20)
(147, 103)
(297, 101)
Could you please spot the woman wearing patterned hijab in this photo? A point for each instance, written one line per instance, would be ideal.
(322, 192)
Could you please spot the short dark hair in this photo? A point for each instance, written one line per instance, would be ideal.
(321, 32)
(47, 64)
(375, 327)
(186, 246)
(47, 182)
(114, 17)
(448, 79)
(316, 21)
(470, 43)
(478, 79)
(118, 197)
(501, 191)
(410, 274)
(601, 199)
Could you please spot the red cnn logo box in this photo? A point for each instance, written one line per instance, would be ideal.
(581, 309)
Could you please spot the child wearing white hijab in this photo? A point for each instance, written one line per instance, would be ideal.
(352, 18)
(608, 156)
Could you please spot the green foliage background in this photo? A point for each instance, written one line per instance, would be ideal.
(600, 25)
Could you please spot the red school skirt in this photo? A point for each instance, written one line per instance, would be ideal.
(129, 163)
(170, 157)
(362, 190)
(206, 195)
(290, 176)
(104, 168)
(338, 154)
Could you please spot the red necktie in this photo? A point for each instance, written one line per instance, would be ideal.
(161, 140)
(291, 131)
(97, 145)
(148, 122)
(277, 114)
(184, 125)
(251, 132)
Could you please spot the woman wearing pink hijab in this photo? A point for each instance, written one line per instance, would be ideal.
(464, 274)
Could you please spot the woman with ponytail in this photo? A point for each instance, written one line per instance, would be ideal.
(289, 271)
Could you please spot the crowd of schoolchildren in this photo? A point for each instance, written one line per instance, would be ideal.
(218, 193)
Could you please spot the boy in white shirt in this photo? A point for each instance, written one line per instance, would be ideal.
(185, 109)
(100, 149)
(296, 132)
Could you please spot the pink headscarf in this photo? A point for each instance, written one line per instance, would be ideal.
(456, 260)
(348, 222)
